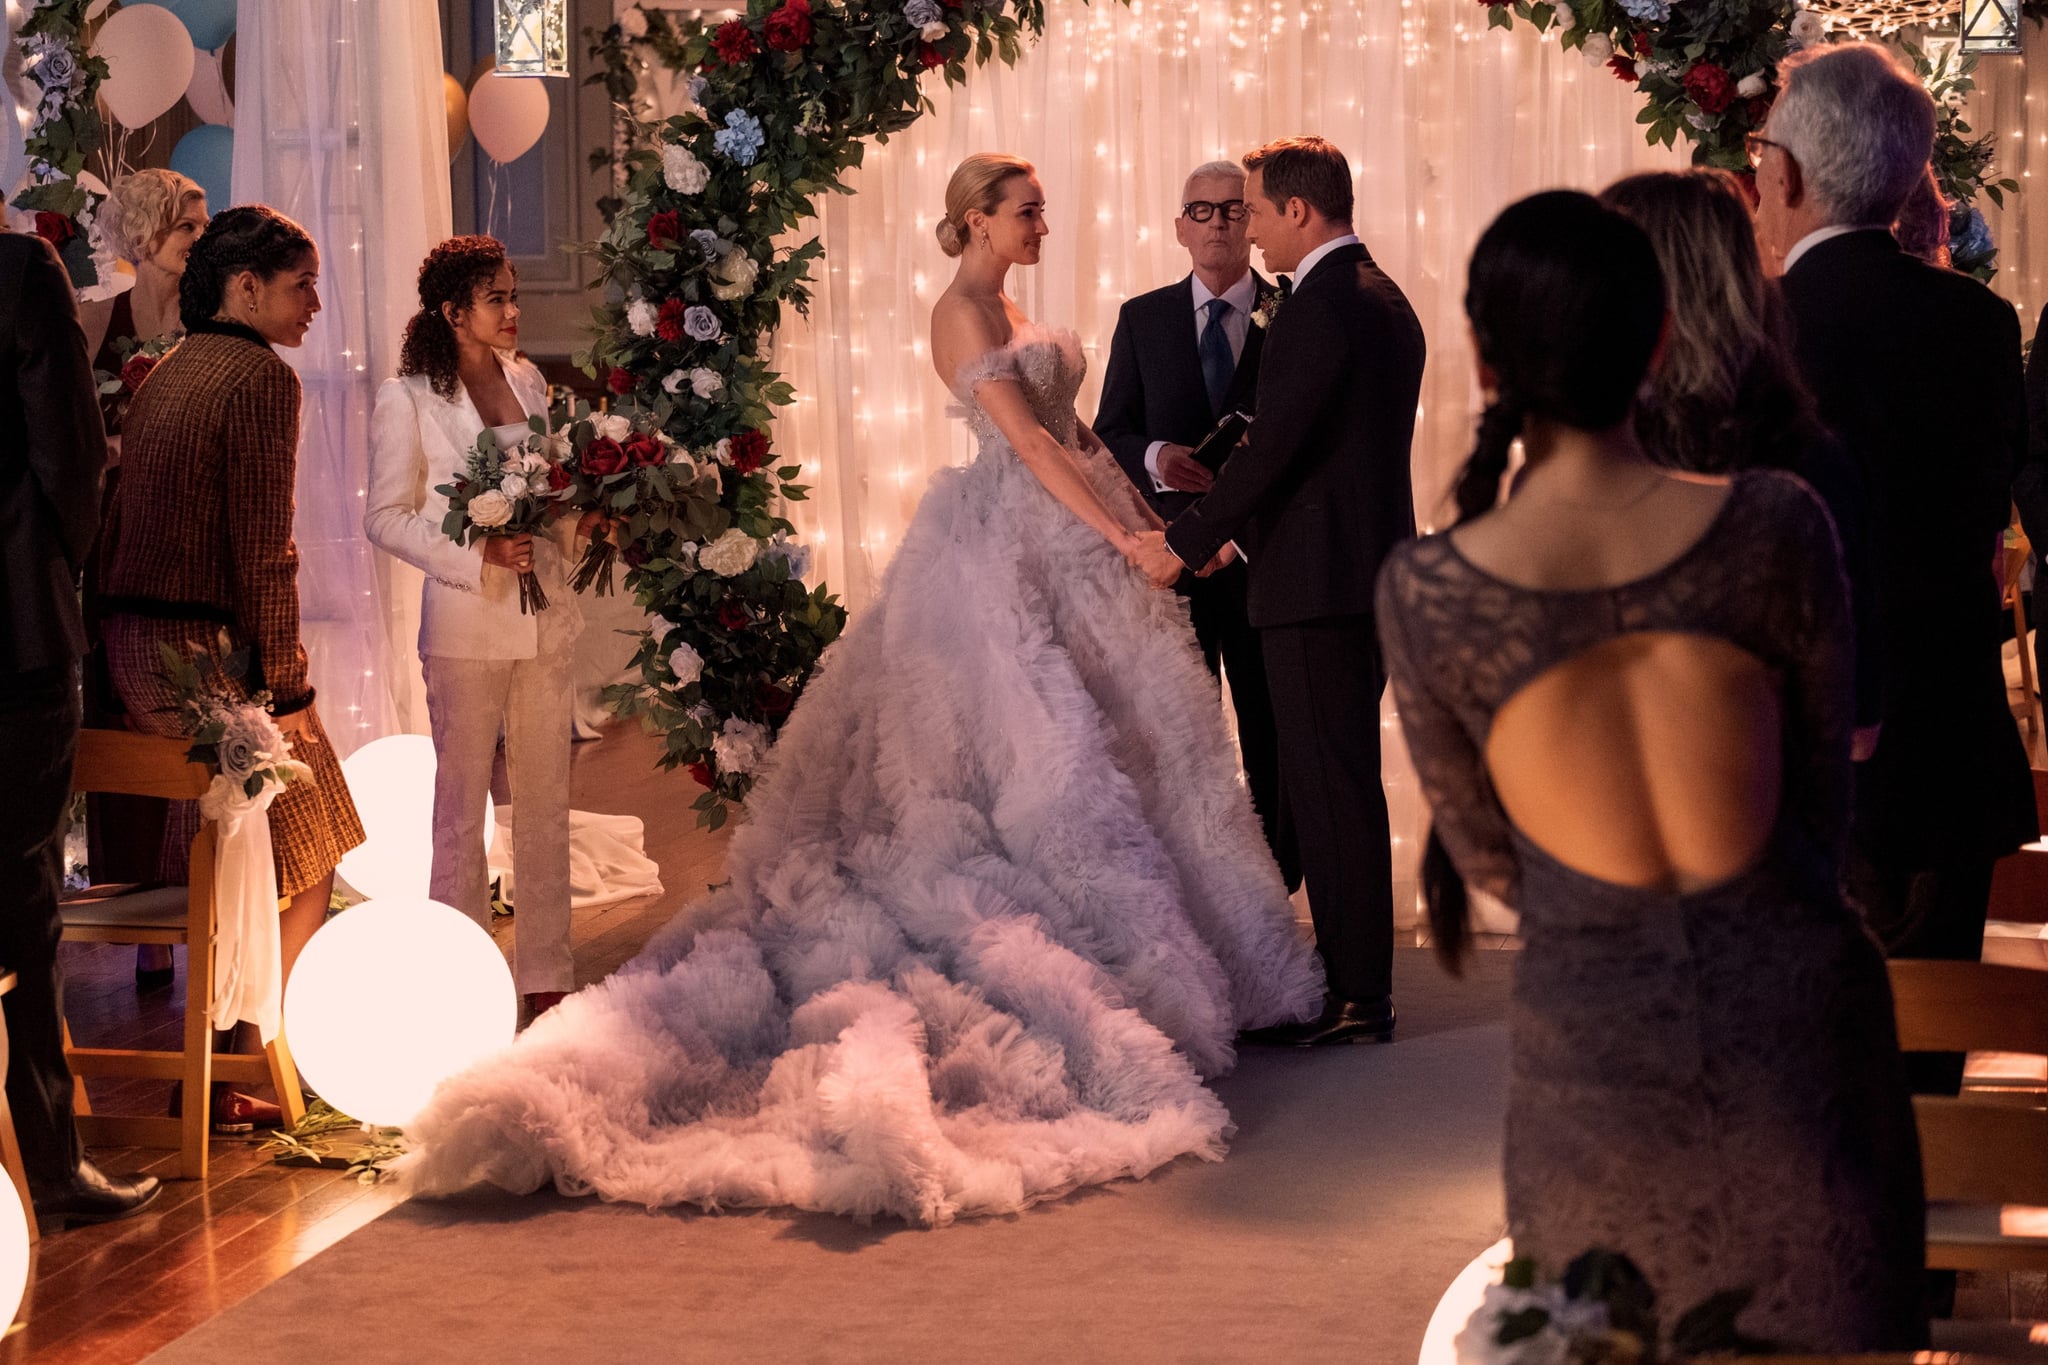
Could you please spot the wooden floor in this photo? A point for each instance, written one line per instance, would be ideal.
(117, 1292)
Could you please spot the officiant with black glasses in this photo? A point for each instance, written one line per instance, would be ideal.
(1183, 357)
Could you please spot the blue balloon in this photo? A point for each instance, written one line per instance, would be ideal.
(210, 22)
(207, 155)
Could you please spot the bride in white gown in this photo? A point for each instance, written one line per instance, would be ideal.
(1001, 902)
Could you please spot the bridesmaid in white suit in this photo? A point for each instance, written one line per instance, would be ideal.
(490, 668)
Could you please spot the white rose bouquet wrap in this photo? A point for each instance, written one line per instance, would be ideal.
(509, 491)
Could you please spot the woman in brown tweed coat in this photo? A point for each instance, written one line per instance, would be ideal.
(211, 453)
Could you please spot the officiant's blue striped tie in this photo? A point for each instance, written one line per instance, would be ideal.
(1218, 364)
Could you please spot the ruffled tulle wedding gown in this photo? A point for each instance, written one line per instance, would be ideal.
(1000, 904)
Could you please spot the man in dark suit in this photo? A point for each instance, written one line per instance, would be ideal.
(1314, 502)
(52, 449)
(1946, 792)
(1182, 357)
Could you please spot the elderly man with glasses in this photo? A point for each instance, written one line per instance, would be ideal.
(1182, 358)
(1917, 370)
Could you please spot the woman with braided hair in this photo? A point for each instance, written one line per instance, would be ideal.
(491, 668)
(1628, 698)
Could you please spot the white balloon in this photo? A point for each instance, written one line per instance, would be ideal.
(149, 58)
(507, 114)
(392, 782)
(208, 92)
(1459, 1302)
(14, 1251)
(392, 997)
(13, 144)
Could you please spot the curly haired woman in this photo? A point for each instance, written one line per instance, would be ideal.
(491, 669)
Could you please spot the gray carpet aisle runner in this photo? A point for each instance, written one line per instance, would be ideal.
(1361, 1180)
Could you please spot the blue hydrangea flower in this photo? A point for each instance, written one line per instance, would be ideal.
(1974, 243)
(740, 138)
(1648, 11)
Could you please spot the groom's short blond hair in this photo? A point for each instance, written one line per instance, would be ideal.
(1306, 168)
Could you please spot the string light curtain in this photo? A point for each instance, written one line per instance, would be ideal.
(1445, 123)
(340, 126)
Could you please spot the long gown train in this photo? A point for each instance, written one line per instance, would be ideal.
(1000, 903)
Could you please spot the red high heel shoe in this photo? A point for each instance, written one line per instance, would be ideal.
(233, 1112)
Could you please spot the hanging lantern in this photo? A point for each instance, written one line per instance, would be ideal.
(533, 37)
(1991, 26)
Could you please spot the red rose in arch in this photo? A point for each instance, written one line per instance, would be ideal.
(929, 56)
(644, 449)
(789, 28)
(702, 772)
(668, 324)
(1709, 85)
(734, 43)
(55, 228)
(733, 616)
(1622, 67)
(619, 381)
(664, 229)
(749, 451)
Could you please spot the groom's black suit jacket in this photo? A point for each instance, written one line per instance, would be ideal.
(1322, 492)
(1153, 389)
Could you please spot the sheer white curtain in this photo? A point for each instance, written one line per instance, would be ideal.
(1445, 123)
(340, 125)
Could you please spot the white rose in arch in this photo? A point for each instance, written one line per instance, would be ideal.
(731, 554)
(933, 33)
(1808, 28)
(1752, 85)
(641, 317)
(614, 426)
(733, 277)
(673, 381)
(740, 745)
(682, 171)
(722, 452)
(490, 508)
(686, 663)
(706, 383)
(1566, 20)
(1599, 49)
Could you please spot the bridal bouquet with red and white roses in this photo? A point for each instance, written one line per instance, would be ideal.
(509, 491)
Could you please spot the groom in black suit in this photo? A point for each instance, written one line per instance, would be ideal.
(1314, 502)
(1183, 356)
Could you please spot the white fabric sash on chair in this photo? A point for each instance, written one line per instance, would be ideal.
(248, 967)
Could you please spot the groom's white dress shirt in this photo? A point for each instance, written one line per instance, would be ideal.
(1814, 239)
(1236, 326)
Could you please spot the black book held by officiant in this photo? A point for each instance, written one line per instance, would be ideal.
(1217, 445)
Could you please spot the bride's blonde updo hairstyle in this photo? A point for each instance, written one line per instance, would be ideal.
(977, 183)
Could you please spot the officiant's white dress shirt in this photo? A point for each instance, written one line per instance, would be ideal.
(1236, 325)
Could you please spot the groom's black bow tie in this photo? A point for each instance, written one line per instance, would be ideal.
(1286, 285)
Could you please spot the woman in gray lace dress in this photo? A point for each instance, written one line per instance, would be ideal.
(1628, 698)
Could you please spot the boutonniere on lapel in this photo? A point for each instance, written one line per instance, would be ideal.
(1267, 308)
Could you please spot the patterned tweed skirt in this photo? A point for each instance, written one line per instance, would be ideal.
(311, 824)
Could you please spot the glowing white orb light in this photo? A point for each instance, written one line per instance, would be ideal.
(391, 998)
(13, 1251)
(1461, 1301)
(392, 782)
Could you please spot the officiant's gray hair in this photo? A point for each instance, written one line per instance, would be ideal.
(1219, 170)
(1860, 127)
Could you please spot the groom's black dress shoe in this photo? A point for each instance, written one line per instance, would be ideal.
(92, 1197)
(1342, 1021)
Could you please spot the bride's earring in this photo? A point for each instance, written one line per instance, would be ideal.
(984, 239)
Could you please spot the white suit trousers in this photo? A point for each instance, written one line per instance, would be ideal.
(468, 702)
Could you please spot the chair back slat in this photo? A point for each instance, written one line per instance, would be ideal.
(1969, 1007)
(129, 764)
(1978, 1152)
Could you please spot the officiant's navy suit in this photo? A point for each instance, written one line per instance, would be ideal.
(1154, 390)
(1316, 500)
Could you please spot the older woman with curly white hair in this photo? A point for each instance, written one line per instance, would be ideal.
(152, 218)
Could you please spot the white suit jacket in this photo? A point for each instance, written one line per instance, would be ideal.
(470, 609)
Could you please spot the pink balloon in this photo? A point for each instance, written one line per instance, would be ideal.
(507, 114)
(149, 63)
(208, 92)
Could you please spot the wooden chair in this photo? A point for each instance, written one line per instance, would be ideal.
(10, 1146)
(1985, 1161)
(146, 765)
(2016, 556)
